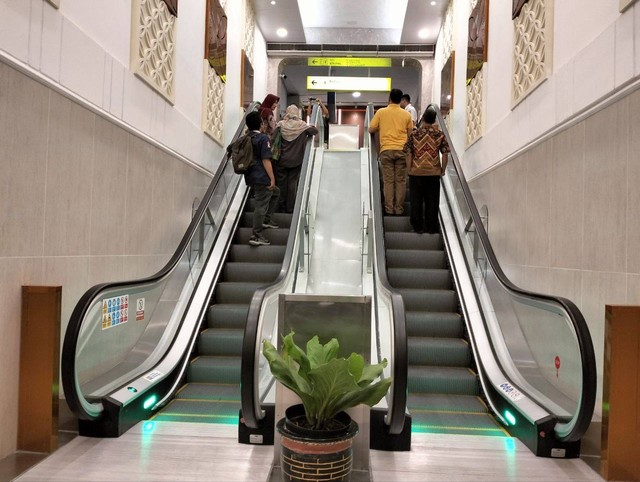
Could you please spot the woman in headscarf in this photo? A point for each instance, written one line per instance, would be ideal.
(294, 132)
(267, 115)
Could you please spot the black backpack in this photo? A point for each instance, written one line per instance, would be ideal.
(241, 152)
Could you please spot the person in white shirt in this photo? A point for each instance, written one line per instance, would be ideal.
(405, 103)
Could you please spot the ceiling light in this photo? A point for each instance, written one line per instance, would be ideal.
(282, 32)
(432, 3)
(273, 2)
(356, 94)
(424, 33)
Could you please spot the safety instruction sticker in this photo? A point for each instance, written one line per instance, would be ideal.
(140, 309)
(151, 376)
(510, 391)
(115, 311)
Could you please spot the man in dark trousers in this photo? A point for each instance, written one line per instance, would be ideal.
(260, 178)
(423, 150)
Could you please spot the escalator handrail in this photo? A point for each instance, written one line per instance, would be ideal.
(252, 412)
(68, 363)
(582, 418)
(397, 406)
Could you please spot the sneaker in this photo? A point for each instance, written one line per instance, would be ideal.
(259, 240)
(270, 224)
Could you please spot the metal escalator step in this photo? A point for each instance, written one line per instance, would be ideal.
(435, 324)
(278, 237)
(283, 220)
(248, 272)
(257, 254)
(446, 380)
(397, 224)
(231, 292)
(199, 411)
(227, 315)
(429, 300)
(400, 240)
(450, 352)
(456, 423)
(409, 258)
(210, 391)
(446, 403)
(220, 342)
(214, 369)
(420, 278)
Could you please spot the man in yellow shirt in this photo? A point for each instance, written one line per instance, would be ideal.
(394, 124)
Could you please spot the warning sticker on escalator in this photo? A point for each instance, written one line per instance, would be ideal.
(115, 311)
(140, 309)
(510, 391)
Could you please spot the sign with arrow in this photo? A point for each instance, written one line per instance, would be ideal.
(348, 62)
(349, 84)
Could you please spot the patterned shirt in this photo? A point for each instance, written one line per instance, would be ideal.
(424, 143)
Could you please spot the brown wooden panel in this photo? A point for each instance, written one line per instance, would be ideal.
(478, 38)
(621, 394)
(446, 84)
(517, 6)
(172, 5)
(215, 42)
(39, 368)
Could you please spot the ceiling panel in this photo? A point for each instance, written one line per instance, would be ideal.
(422, 15)
(284, 14)
(352, 13)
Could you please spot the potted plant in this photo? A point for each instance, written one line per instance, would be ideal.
(317, 436)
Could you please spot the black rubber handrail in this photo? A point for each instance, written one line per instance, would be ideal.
(395, 419)
(68, 368)
(582, 418)
(252, 413)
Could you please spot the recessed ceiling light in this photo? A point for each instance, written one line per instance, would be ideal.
(432, 3)
(424, 33)
(282, 32)
(356, 94)
(273, 2)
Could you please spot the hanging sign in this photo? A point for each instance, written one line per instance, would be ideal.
(348, 62)
(350, 84)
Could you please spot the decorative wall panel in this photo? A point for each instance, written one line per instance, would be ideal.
(153, 31)
(249, 30)
(216, 38)
(475, 109)
(447, 33)
(213, 109)
(446, 85)
(532, 38)
(478, 37)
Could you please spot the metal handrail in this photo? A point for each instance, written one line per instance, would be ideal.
(573, 430)
(69, 380)
(398, 399)
(252, 412)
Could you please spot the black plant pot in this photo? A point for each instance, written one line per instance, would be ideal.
(316, 455)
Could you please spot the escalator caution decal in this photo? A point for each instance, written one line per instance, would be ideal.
(115, 311)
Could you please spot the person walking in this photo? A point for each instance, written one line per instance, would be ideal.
(405, 103)
(259, 177)
(423, 149)
(267, 114)
(394, 124)
(294, 132)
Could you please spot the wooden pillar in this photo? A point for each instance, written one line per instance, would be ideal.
(621, 394)
(39, 368)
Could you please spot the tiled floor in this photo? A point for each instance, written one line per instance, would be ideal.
(179, 452)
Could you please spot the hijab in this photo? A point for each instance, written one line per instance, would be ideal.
(266, 108)
(292, 126)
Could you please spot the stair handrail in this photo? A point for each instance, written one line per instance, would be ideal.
(252, 412)
(81, 407)
(574, 429)
(397, 404)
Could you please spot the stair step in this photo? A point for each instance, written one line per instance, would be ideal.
(434, 324)
(210, 391)
(214, 369)
(248, 272)
(199, 411)
(245, 253)
(451, 352)
(429, 300)
(220, 342)
(444, 380)
(420, 278)
(403, 240)
(446, 403)
(409, 258)
(223, 315)
(397, 224)
(283, 220)
(235, 293)
(278, 237)
(456, 423)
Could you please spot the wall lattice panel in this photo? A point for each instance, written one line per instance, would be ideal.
(213, 109)
(153, 32)
(475, 109)
(249, 30)
(447, 33)
(532, 49)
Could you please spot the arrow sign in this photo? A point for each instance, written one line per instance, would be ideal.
(349, 84)
(349, 61)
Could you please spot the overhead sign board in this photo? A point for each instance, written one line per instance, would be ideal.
(350, 84)
(348, 62)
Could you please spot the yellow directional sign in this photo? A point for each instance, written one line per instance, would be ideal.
(351, 84)
(348, 62)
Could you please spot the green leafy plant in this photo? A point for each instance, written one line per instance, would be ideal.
(325, 383)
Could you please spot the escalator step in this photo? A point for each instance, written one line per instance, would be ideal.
(420, 278)
(209, 391)
(456, 423)
(257, 254)
(283, 220)
(227, 316)
(232, 293)
(449, 380)
(397, 224)
(450, 403)
(214, 369)
(429, 300)
(248, 272)
(397, 240)
(199, 411)
(220, 342)
(435, 324)
(450, 352)
(407, 258)
(278, 237)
